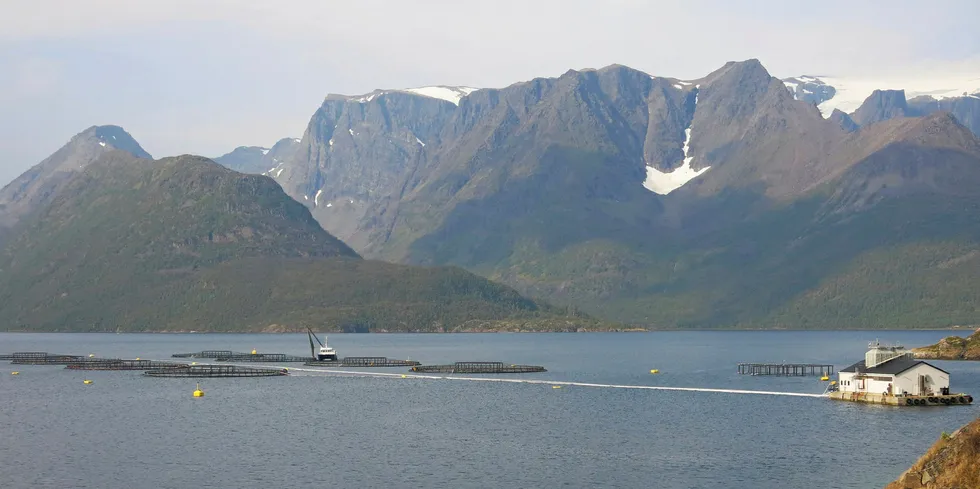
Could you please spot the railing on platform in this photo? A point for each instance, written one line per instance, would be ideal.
(215, 371)
(785, 369)
(479, 368)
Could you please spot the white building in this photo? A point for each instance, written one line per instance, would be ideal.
(893, 371)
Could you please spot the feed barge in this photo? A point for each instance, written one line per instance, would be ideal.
(478, 368)
(891, 375)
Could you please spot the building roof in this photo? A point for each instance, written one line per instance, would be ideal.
(894, 366)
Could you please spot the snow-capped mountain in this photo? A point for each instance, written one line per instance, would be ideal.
(715, 200)
(847, 94)
(441, 92)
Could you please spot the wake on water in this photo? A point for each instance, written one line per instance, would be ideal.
(544, 382)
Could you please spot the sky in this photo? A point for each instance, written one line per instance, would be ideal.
(206, 76)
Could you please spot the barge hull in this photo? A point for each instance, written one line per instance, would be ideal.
(903, 401)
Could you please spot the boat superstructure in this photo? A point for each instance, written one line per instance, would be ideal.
(324, 353)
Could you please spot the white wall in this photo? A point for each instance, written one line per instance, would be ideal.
(909, 379)
(905, 381)
(863, 385)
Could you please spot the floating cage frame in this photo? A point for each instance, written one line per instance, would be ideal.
(262, 357)
(42, 358)
(207, 354)
(118, 364)
(214, 371)
(363, 362)
(478, 368)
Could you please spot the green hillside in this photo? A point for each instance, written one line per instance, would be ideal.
(185, 244)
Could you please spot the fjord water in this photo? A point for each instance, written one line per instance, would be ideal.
(310, 430)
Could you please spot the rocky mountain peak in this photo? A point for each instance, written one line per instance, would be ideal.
(843, 120)
(881, 105)
(38, 185)
(809, 89)
(116, 137)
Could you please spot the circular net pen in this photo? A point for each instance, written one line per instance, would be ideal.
(478, 368)
(215, 371)
(117, 364)
(363, 362)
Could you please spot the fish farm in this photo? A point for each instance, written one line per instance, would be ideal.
(215, 371)
(355, 362)
(42, 358)
(207, 354)
(478, 368)
(234, 356)
(262, 357)
(117, 364)
(785, 369)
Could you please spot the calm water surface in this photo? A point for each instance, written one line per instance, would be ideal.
(310, 430)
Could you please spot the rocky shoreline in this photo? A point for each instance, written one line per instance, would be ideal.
(952, 348)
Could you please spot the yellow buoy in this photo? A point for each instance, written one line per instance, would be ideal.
(137, 358)
(14, 373)
(254, 352)
(193, 363)
(91, 355)
(556, 387)
(86, 382)
(198, 392)
(654, 371)
(404, 376)
(825, 378)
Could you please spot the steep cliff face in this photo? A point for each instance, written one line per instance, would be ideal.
(953, 462)
(357, 152)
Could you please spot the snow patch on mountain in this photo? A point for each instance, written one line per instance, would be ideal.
(664, 183)
(449, 94)
(441, 92)
(316, 198)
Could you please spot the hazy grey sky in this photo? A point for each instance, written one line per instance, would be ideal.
(204, 76)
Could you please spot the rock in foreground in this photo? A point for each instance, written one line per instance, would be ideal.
(952, 463)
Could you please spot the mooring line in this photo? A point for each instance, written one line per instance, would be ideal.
(543, 382)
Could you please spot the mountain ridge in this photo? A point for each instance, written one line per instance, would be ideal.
(183, 243)
(35, 187)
